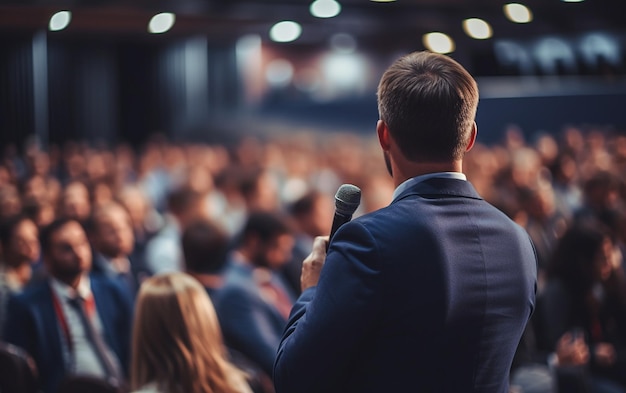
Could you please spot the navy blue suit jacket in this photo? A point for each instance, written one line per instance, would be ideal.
(251, 324)
(430, 294)
(32, 324)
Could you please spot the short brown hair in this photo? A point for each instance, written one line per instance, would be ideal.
(428, 102)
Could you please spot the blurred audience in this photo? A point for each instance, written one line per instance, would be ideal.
(74, 322)
(19, 245)
(313, 216)
(75, 202)
(254, 302)
(111, 236)
(177, 343)
(163, 251)
(179, 206)
(585, 296)
(205, 246)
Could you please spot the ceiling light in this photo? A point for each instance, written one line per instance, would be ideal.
(477, 28)
(285, 31)
(325, 8)
(160, 23)
(572, 1)
(383, 1)
(60, 20)
(438, 42)
(518, 13)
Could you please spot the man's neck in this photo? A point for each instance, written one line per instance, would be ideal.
(119, 263)
(19, 275)
(208, 280)
(72, 282)
(243, 255)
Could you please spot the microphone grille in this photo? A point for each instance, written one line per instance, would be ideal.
(347, 199)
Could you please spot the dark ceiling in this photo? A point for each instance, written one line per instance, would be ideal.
(374, 25)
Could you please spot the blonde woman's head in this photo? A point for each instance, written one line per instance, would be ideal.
(177, 342)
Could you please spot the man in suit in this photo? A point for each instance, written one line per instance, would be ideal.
(110, 233)
(254, 302)
(73, 322)
(313, 215)
(205, 247)
(430, 294)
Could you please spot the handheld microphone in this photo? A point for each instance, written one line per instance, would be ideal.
(347, 200)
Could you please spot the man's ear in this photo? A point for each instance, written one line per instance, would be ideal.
(383, 135)
(472, 137)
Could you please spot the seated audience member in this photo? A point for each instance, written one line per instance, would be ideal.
(205, 247)
(584, 297)
(72, 323)
(601, 197)
(535, 370)
(19, 243)
(543, 222)
(144, 218)
(75, 202)
(254, 302)
(259, 188)
(313, 216)
(163, 251)
(10, 203)
(111, 235)
(177, 343)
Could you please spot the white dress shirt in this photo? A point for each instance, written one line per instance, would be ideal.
(84, 358)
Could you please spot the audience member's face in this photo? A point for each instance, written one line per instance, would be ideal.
(24, 246)
(197, 209)
(46, 215)
(114, 234)
(69, 254)
(137, 205)
(35, 189)
(10, 204)
(76, 201)
(102, 194)
(276, 253)
(322, 216)
(40, 163)
(603, 264)
(266, 194)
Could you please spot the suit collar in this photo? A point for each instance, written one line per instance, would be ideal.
(440, 188)
(409, 183)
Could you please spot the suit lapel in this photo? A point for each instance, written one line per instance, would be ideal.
(104, 308)
(52, 336)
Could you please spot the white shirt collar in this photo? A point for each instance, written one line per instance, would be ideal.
(418, 179)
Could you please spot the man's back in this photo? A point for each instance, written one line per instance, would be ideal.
(440, 286)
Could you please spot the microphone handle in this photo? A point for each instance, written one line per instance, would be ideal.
(338, 221)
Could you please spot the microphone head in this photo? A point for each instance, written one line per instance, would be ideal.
(347, 199)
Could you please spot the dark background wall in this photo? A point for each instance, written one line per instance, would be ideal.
(116, 89)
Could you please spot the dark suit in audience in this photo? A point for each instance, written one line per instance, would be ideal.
(205, 247)
(254, 302)
(111, 235)
(41, 320)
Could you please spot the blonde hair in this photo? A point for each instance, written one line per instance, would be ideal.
(177, 341)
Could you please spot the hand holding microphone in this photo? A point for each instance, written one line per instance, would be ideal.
(347, 200)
